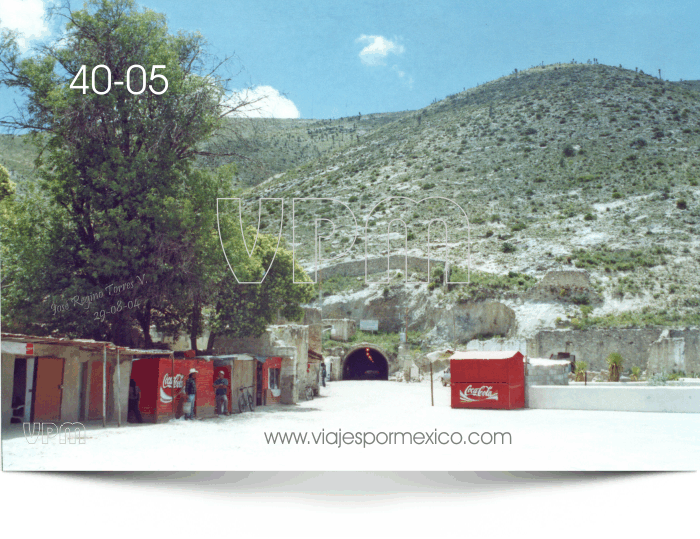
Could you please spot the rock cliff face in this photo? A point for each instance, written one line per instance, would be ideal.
(392, 307)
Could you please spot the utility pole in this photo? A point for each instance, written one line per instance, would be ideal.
(104, 386)
(119, 392)
(432, 400)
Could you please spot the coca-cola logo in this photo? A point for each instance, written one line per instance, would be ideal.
(477, 394)
(168, 381)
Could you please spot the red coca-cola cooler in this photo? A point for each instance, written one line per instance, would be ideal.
(487, 380)
(161, 381)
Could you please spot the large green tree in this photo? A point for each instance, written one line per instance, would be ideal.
(120, 234)
(240, 310)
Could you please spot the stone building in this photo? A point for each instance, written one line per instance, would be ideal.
(285, 351)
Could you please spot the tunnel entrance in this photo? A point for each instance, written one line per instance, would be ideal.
(365, 363)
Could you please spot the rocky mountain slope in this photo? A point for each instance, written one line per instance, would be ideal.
(558, 167)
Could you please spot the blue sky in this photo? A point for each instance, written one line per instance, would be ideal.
(337, 58)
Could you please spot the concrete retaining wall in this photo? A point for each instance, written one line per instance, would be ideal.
(377, 265)
(615, 398)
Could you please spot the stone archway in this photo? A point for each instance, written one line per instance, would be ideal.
(365, 362)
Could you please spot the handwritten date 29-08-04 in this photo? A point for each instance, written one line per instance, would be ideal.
(114, 309)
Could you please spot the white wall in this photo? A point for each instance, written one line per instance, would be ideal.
(615, 398)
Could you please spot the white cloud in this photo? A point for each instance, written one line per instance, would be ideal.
(377, 48)
(265, 102)
(25, 16)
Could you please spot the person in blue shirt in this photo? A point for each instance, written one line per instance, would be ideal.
(221, 389)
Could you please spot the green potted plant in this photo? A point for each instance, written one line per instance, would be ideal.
(580, 370)
(636, 372)
(614, 362)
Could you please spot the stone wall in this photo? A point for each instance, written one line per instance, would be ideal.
(667, 354)
(594, 345)
(375, 265)
(691, 356)
(570, 278)
(499, 345)
(652, 348)
(312, 318)
(564, 285)
(342, 329)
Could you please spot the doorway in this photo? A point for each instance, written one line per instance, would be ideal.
(22, 390)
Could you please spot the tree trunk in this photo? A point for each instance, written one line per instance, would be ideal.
(210, 343)
(144, 319)
(196, 321)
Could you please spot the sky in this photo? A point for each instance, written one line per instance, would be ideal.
(331, 59)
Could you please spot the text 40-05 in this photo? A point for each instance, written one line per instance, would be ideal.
(114, 309)
(108, 83)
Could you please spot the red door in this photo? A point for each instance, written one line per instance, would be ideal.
(49, 389)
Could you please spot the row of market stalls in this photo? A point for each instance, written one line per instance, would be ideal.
(47, 379)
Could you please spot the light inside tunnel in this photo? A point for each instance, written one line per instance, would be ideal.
(367, 364)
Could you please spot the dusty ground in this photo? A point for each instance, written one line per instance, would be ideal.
(541, 439)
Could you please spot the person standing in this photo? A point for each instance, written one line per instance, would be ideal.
(221, 389)
(134, 398)
(323, 374)
(191, 391)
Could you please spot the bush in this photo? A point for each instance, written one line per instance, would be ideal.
(569, 150)
(614, 362)
(681, 204)
(353, 198)
(589, 217)
(508, 248)
(636, 372)
(580, 370)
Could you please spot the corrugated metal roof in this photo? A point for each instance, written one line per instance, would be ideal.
(83, 344)
(477, 354)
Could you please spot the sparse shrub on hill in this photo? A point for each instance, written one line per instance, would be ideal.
(620, 259)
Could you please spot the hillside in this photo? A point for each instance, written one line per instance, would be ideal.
(263, 147)
(558, 167)
(260, 147)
